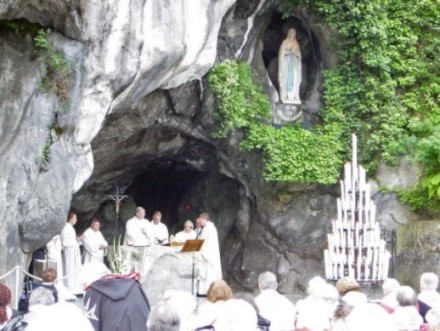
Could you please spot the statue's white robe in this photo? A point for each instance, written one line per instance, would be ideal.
(71, 259)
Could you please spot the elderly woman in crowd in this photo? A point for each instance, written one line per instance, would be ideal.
(389, 302)
(316, 310)
(185, 304)
(218, 292)
(5, 311)
(10, 319)
(163, 317)
(428, 296)
(406, 316)
(433, 319)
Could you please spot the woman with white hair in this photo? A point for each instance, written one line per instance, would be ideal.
(406, 316)
(428, 296)
(185, 304)
(163, 317)
(274, 306)
(316, 310)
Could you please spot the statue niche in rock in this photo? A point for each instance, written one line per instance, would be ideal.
(289, 69)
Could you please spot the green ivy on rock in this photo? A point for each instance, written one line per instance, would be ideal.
(290, 152)
(387, 83)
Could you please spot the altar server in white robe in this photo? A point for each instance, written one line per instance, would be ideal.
(159, 231)
(138, 230)
(71, 255)
(187, 234)
(95, 245)
(208, 264)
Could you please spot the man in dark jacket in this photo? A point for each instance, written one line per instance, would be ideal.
(117, 303)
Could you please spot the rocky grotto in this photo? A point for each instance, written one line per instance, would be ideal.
(139, 119)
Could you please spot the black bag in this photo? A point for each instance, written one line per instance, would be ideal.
(23, 302)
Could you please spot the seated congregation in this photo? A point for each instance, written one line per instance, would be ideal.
(119, 303)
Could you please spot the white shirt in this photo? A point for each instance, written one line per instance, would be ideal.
(277, 309)
(92, 240)
(159, 232)
(183, 236)
(137, 232)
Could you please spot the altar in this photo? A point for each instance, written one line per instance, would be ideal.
(160, 268)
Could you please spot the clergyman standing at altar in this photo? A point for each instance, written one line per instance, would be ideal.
(137, 230)
(187, 233)
(159, 231)
(95, 245)
(208, 264)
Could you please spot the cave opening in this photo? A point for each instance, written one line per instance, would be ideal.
(179, 190)
(163, 186)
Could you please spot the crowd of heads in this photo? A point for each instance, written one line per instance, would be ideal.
(327, 307)
(333, 307)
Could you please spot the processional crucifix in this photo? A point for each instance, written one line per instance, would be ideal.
(117, 198)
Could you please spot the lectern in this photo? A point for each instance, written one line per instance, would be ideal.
(192, 245)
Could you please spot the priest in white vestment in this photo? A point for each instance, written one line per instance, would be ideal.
(95, 245)
(208, 266)
(71, 256)
(159, 231)
(187, 234)
(138, 230)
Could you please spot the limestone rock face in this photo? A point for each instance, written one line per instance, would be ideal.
(120, 51)
(139, 121)
(418, 248)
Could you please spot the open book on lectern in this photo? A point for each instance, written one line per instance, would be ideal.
(192, 245)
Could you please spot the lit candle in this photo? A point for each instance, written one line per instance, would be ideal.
(339, 206)
(373, 212)
(375, 262)
(354, 150)
(347, 173)
(327, 264)
(360, 206)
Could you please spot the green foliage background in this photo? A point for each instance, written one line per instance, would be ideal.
(385, 88)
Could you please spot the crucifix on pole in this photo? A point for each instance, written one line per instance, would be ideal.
(117, 198)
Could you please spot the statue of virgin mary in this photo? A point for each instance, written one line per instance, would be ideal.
(289, 69)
